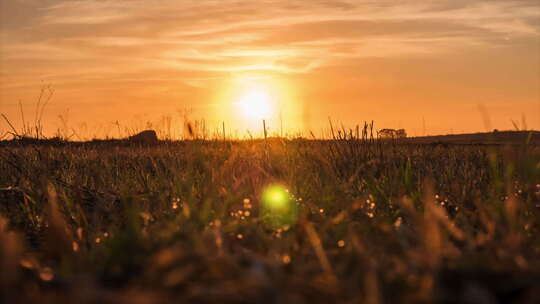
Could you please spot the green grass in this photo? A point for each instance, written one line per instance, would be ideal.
(367, 222)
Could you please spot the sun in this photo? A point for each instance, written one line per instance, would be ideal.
(256, 104)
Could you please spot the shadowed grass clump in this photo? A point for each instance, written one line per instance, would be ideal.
(370, 222)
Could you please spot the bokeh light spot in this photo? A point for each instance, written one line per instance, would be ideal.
(279, 209)
(276, 198)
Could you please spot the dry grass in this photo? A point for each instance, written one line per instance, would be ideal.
(378, 222)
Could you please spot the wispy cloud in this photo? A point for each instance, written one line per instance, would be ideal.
(252, 30)
(197, 41)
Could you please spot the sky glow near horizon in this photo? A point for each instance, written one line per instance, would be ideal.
(427, 66)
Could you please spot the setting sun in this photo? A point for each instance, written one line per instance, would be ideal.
(244, 100)
(256, 104)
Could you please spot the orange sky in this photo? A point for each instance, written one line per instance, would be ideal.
(404, 64)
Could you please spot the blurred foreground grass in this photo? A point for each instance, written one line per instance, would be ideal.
(351, 221)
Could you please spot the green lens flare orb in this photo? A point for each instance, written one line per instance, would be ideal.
(278, 208)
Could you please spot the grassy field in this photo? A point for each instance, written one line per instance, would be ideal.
(277, 221)
(488, 138)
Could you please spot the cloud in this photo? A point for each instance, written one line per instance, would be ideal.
(195, 42)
